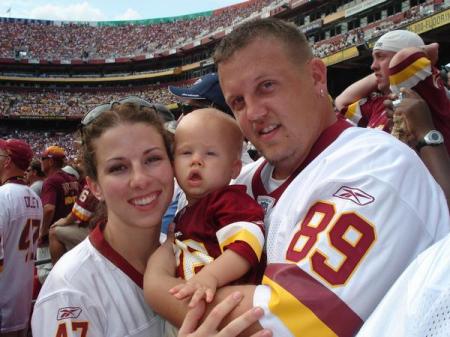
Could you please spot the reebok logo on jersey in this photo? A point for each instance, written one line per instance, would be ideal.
(68, 312)
(354, 194)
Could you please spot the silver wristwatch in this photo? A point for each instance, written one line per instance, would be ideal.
(432, 138)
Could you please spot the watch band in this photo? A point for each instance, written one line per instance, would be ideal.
(432, 138)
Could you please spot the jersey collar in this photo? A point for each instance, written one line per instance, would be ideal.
(328, 136)
(98, 241)
(16, 180)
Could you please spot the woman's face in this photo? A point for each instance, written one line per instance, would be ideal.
(135, 177)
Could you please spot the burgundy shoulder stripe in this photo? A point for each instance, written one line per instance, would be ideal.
(98, 241)
(324, 303)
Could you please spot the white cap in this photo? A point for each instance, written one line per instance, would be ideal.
(397, 40)
(72, 171)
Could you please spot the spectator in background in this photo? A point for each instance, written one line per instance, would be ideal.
(34, 176)
(69, 231)
(204, 93)
(72, 171)
(419, 131)
(400, 59)
(20, 218)
(418, 302)
(59, 193)
(59, 190)
(445, 75)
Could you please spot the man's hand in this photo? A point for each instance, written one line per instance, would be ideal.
(61, 222)
(412, 117)
(210, 327)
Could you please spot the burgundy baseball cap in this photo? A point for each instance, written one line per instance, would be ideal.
(19, 151)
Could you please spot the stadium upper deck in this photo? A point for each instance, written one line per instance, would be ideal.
(36, 40)
(330, 25)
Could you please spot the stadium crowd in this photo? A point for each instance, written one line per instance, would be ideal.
(20, 102)
(375, 29)
(77, 41)
(83, 41)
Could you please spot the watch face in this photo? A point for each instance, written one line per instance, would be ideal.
(434, 138)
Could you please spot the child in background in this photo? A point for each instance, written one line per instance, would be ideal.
(220, 233)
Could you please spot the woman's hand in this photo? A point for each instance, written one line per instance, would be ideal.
(210, 326)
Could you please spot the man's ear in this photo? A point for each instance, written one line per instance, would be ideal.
(94, 187)
(319, 74)
(236, 168)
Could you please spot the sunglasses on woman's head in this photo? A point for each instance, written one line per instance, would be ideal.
(99, 110)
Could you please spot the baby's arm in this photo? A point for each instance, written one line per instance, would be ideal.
(228, 267)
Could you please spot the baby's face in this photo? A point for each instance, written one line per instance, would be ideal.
(204, 161)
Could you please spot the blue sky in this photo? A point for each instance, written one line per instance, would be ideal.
(102, 10)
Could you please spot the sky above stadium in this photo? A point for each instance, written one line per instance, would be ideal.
(106, 10)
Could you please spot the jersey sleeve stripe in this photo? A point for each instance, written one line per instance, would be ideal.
(81, 213)
(242, 231)
(407, 75)
(298, 318)
(294, 288)
(353, 112)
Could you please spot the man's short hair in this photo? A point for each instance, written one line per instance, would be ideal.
(294, 40)
(35, 165)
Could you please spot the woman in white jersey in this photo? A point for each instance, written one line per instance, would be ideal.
(96, 288)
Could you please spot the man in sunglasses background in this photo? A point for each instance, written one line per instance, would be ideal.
(59, 192)
(34, 176)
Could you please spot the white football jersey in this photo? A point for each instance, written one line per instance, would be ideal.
(20, 218)
(93, 291)
(418, 304)
(343, 231)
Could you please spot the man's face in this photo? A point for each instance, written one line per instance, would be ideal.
(380, 67)
(29, 173)
(275, 101)
(45, 164)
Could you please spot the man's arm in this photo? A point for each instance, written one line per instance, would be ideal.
(417, 116)
(69, 220)
(49, 212)
(356, 91)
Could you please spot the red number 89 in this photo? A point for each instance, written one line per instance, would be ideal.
(318, 218)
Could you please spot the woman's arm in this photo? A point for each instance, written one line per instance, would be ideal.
(160, 277)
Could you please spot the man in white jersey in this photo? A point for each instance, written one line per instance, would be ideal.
(418, 304)
(419, 301)
(350, 207)
(20, 218)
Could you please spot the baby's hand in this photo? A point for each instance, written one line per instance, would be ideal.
(198, 287)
